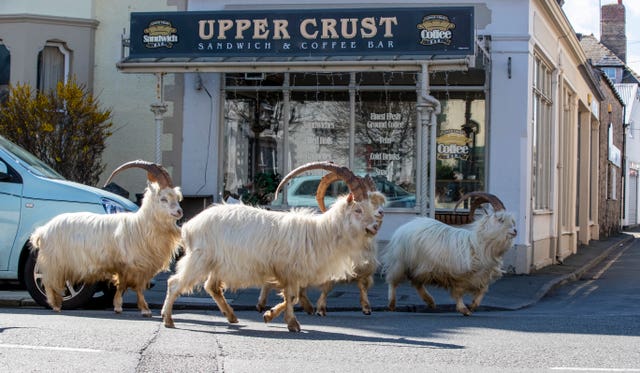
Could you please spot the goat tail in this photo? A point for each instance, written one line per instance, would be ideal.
(36, 238)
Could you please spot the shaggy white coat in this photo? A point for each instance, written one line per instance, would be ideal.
(364, 268)
(239, 246)
(126, 248)
(426, 251)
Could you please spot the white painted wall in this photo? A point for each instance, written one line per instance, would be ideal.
(128, 95)
(632, 151)
(58, 8)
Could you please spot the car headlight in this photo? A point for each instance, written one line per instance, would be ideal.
(112, 207)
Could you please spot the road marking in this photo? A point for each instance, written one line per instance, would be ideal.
(30, 347)
(597, 369)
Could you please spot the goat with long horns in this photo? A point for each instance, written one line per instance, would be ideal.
(126, 248)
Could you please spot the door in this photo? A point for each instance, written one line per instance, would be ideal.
(10, 204)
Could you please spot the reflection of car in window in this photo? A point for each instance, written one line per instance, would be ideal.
(302, 192)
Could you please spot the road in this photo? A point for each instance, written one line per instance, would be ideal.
(591, 325)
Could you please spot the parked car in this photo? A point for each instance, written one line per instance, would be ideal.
(302, 192)
(31, 193)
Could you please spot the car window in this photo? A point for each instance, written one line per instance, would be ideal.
(29, 160)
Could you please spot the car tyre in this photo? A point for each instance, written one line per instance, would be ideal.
(75, 296)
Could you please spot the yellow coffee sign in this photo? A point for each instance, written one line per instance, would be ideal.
(453, 144)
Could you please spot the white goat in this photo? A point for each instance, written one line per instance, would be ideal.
(238, 246)
(428, 252)
(126, 248)
(363, 269)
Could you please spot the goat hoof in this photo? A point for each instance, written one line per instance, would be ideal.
(146, 314)
(168, 323)
(465, 312)
(233, 319)
(267, 316)
(261, 308)
(294, 326)
(117, 310)
(321, 313)
(366, 312)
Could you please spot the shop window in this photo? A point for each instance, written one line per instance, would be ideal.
(5, 72)
(253, 143)
(386, 143)
(367, 121)
(460, 146)
(542, 135)
(319, 128)
(53, 66)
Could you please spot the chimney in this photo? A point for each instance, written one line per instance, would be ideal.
(613, 33)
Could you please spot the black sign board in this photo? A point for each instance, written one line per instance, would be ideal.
(429, 31)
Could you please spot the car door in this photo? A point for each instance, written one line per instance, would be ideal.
(10, 205)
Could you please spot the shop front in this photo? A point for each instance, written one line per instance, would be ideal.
(396, 93)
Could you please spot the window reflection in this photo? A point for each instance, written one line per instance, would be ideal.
(385, 143)
(319, 127)
(366, 120)
(252, 140)
(460, 142)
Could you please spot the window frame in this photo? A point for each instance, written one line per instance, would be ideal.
(542, 133)
(66, 54)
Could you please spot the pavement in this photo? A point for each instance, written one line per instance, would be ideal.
(511, 292)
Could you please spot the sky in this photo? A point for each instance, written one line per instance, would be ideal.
(584, 16)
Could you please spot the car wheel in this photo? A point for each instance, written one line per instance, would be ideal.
(75, 295)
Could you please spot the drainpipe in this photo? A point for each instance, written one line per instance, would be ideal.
(159, 108)
(428, 109)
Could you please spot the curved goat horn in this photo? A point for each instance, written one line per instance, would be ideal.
(327, 179)
(356, 185)
(478, 199)
(322, 188)
(155, 172)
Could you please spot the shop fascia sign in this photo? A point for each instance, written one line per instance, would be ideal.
(429, 31)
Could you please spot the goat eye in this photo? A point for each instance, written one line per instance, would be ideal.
(358, 210)
(164, 199)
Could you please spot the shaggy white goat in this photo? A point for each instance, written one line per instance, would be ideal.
(126, 248)
(425, 251)
(363, 269)
(238, 246)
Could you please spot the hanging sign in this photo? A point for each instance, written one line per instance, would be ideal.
(430, 31)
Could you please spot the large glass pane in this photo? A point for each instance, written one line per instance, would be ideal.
(461, 141)
(385, 143)
(253, 132)
(318, 131)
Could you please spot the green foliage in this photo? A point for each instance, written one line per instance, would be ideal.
(65, 128)
(264, 186)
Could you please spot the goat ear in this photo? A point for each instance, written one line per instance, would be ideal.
(350, 198)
